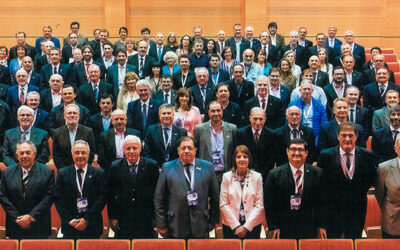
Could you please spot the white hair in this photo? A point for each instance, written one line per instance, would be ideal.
(132, 138)
(143, 82)
(25, 108)
(294, 33)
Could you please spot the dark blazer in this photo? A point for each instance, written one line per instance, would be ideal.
(264, 152)
(283, 135)
(256, 43)
(382, 144)
(39, 61)
(13, 99)
(56, 118)
(36, 200)
(78, 74)
(370, 76)
(313, 51)
(67, 53)
(96, 123)
(336, 46)
(135, 118)
(96, 49)
(232, 114)
(153, 51)
(247, 92)
(373, 99)
(198, 97)
(42, 118)
(331, 94)
(244, 44)
(275, 111)
(328, 135)
(357, 80)
(368, 65)
(35, 79)
(47, 72)
(46, 101)
(363, 117)
(307, 43)
(280, 41)
(107, 149)
(159, 95)
(65, 198)
(301, 55)
(5, 76)
(132, 204)
(112, 76)
(346, 202)
(148, 63)
(87, 98)
(322, 79)
(3, 91)
(30, 51)
(177, 80)
(222, 77)
(278, 189)
(62, 156)
(5, 124)
(360, 52)
(154, 146)
(273, 54)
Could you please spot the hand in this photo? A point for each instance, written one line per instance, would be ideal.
(24, 221)
(81, 225)
(114, 225)
(163, 232)
(241, 232)
(74, 222)
(322, 233)
(276, 234)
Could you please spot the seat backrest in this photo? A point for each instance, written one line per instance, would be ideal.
(103, 244)
(214, 244)
(9, 244)
(373, 217)
(55, 217)
(47, 245)
(323, 244)
(164, 244)
(377, 244)
(269, 244)
(397, 77)
(393, 66)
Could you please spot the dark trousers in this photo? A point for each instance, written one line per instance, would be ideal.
(230, 234)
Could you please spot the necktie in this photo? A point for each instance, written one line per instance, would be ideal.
(382, 89)
(351, 115)
(203, 91)
(22, 97)
(132, 171)
(314, 74)
(183, 80)
(166, 137)
(87, 68)
(166, 98)
(256, 137)
(141, 68)
(79, 172)
(187, 170)
(331, 43)
(24, 134)
(144, 115)
(54, 70)
(159, 53)
(25, 177)
(96, 92)
(348, 164)
(295, 133)
(298, 184)
(263, 103)
(395, 132)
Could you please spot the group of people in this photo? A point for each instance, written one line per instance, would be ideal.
(173, 138)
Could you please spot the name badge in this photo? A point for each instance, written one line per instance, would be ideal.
(295, 202)
(82, 204)
(306, 124)
(192, 198)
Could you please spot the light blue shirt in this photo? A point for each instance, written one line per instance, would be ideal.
(318, 94)
(217, 149)
(250, 74)
(307, 114)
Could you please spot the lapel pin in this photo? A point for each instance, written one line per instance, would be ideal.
(198, 168)
(90, 176)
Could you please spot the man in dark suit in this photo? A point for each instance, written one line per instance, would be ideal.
(332, 41)
(5, 76)
(240, 90)
(374, 93)
(52, 97)
(292, 130)
(142, 61)
(293, 197)
(25, 132)
(33, 77)
(81, 40)
(3, 91)
(328, 134)
(145, 33)
(320, 78)
(352, 77)
(98, 45)
(55, 67)
(220, 43)
(158, 50)
(143, 112)
(271, 52)
(184, 77)
(383, 139)
(43, 56)
(26, 195)
(186, 195)
(237, 37)
(131, 184)
(313, 51)
(80, 72)
(5, 124)
(378, 62)
(41, 117)
(116, 73)
(111, 141)
(370, 64)
(68, 49)
(161, 141)
(66, 135)
(108, 59)
(337, 88)
(166, 94)
(276, 39)
(80, 195)
(249, 35)
(101, 121)
(216, 74)
(203, 90)
(302, 38)
(21, 40)
(271, 105)
(358, 114)
(357, 50)
(300, 51)
(260, 140)
(279, 90)
(349, 172)
(89, 94)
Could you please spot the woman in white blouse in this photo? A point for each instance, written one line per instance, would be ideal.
(128, 92)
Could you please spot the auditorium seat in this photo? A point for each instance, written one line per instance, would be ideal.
(51, 148)
(103, 244)
(2, 166)
(264, 244)
(214, 244)
(2, 223)
(384, 51)
(369, 143)
(388, 57)
(377, 244)
(55, 222)
(323, 244)
(164, 244)
(394, 66)
(106, 224)
(372, 224)
(9, 244)
(397, 77)
(47, 245)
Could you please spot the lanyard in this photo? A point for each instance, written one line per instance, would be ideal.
(212, 76)
(216, 137)
(308, 112)
(169, 137)
(191, 181)
(77, 184)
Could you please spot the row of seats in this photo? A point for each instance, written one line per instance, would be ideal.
(209, 244)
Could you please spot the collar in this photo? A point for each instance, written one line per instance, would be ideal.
(90, 62)
(134, 163)
(292, 128)
(118, 133)
(147, 103)
(191, 164)
(123, 66)
(391, 128)
(57, 66)
(352, 152)
(28, 130)
(95, 83)
(27, 169)
(84, 168)
(169, 127)
(294, 170)
(169, 92)
(259, 131)
(74, 130)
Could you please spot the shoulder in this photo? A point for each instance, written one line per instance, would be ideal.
(243, 130)
(96, 171)
(204, 163)
(11, 131)
(329, 151)
(254, 174)
(59, 130)
(148, 161)
(116, 164)
(386, 165)
(279, 169)
(39, 131)
(229, 126)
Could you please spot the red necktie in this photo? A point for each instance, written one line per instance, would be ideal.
(256, 137)
(22, 97)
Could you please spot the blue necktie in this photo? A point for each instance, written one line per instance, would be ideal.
(144, 115)
(141, 68)
(159, 53)
(96, 92)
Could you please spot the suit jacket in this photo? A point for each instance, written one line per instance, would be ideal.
(363, 118)
(107, 147)
(232, 114)
(307, 43)
(155, 148)
(313, 51)
(382, 144)
(322, 79)
(360, 52)
(148, 63)
(87, 98)
(62, 156)
(36, 200)
(79, 76)
(113, 76)
(135, 118)
(153, 51)
(5, 124)
(5, 76)
(96, 123)
(82, 40)
(370, 76)
(336, 46)
(3, 91)
(244, 44)
(246, 92)
(56, 118)
(346, 204)
(41, 120)
(273, 55)
(46, 101)
(301, 55)
(198, 100)
(380, 118)
(39, 61)
(35, 79)
(254, 43)
(223, 76)
(232, 196)
(159, 96)
(13, 99)
(202, 141)
(47, 72)
(387, 195)
(331, 94)
(279, 187)
(275, 111)
(30, 51)
(67, 53)
(283, 135)
(357, 80)
(373, 99)
(177, 80)
(65, 198)
(280, 41)
(170, 199)
(132, 204)
(264, 152)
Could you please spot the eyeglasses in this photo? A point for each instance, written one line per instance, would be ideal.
(293, 150)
